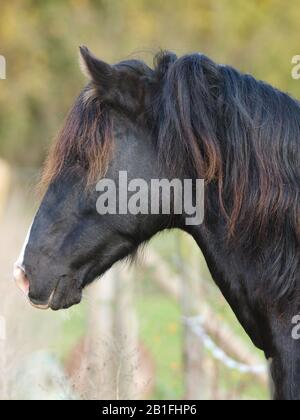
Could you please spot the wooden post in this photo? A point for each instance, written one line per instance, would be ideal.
(100, 364)
(111, 347)
(126, 335)
(193, 352)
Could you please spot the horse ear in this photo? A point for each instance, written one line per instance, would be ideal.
(163, 61)
(103, 75)
(124, 86)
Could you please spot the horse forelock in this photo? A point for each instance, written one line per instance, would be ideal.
(85, 140)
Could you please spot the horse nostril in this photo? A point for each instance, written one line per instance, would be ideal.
(21, 280)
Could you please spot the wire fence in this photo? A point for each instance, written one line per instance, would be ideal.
(197, 326)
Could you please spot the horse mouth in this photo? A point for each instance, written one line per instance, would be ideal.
(42, 306)
(58, 299)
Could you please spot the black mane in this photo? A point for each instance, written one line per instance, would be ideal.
(243, 137)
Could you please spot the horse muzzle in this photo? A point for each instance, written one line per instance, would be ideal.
(64, 294)
(22, 283)
(21, 280)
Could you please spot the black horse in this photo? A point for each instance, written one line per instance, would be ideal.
(191, 118)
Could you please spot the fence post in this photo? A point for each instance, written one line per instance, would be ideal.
(99, 351)
(126, 328)
(111, 348)
(193, 352)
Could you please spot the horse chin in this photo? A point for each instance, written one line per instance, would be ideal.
(65, 302)
(59, 301)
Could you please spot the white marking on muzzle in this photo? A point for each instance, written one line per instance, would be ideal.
(20, 261)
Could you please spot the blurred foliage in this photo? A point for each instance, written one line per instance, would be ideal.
(40, 39)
